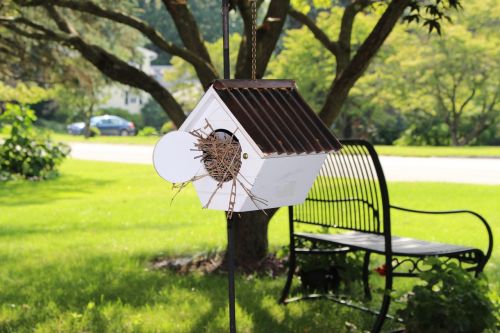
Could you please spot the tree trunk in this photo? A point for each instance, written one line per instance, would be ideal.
(250, 228)
(454, 136)
(250, 238)
(347, 127)
(88, 116)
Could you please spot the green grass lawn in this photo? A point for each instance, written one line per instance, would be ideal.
(429, 151)
(75, 253)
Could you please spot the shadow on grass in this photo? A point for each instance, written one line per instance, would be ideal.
(50, 292)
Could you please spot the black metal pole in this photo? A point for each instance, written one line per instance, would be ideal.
(225, 36)
(230, 231)
(230, 270)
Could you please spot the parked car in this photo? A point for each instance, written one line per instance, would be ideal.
(107, 125)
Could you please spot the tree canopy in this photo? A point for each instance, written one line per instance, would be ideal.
(105, 34)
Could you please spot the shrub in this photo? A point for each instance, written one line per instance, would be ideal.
(25, 153)
(148, 131)
(153, 114)
(450, 300)
(168, 127)
(338, 272)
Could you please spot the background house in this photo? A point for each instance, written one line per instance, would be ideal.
(130, 99)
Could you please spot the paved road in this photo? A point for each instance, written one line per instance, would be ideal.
(434, 169)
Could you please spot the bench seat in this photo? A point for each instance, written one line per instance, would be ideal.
(400, 245)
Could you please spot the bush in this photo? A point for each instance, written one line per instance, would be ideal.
(168, 127)
(94, 131)
(148, 131)
(153, 115)
(450, 300)
(51, 125)
(340, 273)
(24, 153)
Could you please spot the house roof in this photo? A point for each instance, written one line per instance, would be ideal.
(275, 116)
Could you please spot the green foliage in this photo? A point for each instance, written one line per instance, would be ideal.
(168, 127)
(24, 153)
(153, 115)
(24, 93)
(50, 125)
(341, 272)
(183, 77)
(398, 97)
(431, 13)
(148, 131)
(94, 131)
(447, 87)
(451, 300)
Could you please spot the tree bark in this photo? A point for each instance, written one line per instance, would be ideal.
(268, 34)
(250, 238)
(250, 228)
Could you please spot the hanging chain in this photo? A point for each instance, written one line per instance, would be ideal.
(254, 39)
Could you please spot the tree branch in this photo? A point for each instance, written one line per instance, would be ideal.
(319, 34)
(191, 37)
(345, 34)
(61, 23)
(342, 84)
(467, 100)
(205, 69)
(268, 34)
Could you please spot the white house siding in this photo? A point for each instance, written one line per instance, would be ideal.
(133, 100)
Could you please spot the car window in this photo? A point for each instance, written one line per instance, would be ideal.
(104, 122)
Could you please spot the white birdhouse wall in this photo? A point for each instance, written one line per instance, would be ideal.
(214, 111)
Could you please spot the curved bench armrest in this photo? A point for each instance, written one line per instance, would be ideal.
(482, 219)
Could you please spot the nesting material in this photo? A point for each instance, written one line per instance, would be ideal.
(220, 153)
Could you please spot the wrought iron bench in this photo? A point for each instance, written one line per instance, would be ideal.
(351, 193)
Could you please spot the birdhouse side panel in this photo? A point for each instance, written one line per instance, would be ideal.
(219, 121)
(286, 181)
(213, 113)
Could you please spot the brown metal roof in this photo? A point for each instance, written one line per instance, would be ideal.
(276, 116)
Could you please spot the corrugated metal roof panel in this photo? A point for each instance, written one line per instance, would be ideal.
(276, 117)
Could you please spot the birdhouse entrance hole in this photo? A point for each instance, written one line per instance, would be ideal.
(221, 155)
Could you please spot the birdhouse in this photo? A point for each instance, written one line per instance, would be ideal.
(272, 146)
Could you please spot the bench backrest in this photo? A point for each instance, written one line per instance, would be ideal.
(349, 193)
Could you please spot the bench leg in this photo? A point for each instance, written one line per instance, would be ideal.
(366, 272)
(386, 302)
(291, 261)
(289, 278)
